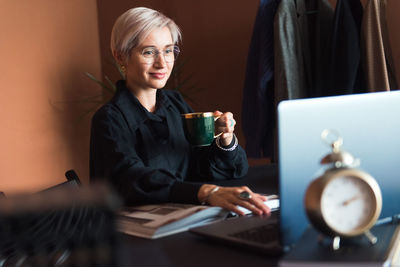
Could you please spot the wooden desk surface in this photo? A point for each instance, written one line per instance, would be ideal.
(186, 249)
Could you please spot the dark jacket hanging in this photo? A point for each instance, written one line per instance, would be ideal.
(302, 33)
(258, 113)
(346, 75)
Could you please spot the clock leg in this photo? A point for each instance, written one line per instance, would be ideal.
(373, 239)
(336, 243)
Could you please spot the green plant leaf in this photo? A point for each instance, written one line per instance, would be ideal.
(102, 84)
(118, 67)
(112, 85)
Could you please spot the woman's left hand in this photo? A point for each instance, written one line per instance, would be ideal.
(230, 198)
(225, 124)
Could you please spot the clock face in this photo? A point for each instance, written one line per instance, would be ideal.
(348, 204)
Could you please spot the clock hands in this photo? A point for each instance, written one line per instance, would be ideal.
(347, 202)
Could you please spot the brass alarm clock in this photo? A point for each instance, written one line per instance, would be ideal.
(344, 201)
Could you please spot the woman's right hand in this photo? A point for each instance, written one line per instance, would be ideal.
(229, 198)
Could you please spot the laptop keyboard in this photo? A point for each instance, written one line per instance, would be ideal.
(260, 234)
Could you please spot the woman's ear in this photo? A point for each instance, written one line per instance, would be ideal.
(119, 58)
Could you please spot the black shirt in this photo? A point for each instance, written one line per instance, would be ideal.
(146, 156)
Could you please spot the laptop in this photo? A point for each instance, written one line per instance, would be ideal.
(370, 127)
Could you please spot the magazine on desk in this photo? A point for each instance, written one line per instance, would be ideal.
(155, 221)
(159, 220)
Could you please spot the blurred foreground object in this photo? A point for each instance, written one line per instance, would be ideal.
(69, 226)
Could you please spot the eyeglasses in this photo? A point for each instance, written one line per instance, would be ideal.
(170, 54)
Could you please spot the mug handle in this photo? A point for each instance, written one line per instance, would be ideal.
(216, 118)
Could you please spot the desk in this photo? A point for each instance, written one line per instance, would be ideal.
(186, 249)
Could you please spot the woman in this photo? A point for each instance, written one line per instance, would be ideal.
(137, 139)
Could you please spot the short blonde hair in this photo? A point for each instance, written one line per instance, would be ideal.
(133, 26)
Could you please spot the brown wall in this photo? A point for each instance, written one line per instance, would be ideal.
(45, 47)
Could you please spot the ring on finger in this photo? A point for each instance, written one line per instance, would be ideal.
(231, 120)
(245, 195)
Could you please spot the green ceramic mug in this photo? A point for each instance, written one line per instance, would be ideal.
(200, 128)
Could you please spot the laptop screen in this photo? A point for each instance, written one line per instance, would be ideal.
(370, 127)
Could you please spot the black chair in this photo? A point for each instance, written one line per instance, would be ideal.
(72, 176)
(64, 225)
(73, 181)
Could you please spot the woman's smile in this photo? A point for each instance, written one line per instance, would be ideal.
(158, 75)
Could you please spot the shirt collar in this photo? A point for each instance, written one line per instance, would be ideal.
(134, 112)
